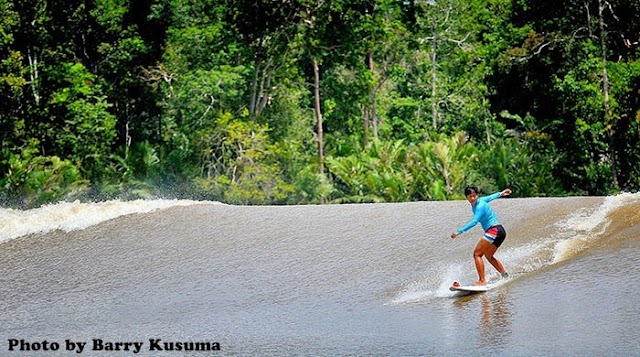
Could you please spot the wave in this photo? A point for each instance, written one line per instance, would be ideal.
(543, 232)
(528, 252)
(582, 228)
(71, 216)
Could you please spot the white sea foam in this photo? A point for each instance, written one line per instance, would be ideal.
(434, 284)
(71, 216)
(580, 228)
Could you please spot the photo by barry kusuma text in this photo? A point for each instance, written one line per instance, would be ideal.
(100, 345)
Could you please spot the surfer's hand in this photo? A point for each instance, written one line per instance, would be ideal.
(505, 192)
(454, 234)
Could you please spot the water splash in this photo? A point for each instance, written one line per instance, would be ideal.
(569, 237)
(583, 227)
(435, 284)
(71, 216)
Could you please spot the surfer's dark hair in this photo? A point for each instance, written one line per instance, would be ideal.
(470, 189)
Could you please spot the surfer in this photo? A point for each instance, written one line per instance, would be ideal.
(494, 233)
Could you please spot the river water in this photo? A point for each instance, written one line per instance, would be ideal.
(332, 280)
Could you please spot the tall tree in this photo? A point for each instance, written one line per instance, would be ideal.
(13, 81)
(451, 62)
(319, 28)
(385, 43)
(266, 27)
(443, 34)
(573, 39)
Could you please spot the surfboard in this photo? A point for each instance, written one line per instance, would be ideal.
(469, 288)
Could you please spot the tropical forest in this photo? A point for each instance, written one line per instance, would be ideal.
(275, 102)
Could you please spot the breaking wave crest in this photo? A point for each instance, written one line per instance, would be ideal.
(71, 216)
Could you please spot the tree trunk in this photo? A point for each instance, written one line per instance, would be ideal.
(318, 112)
(605, 90)
(373, 115)
(254, 89)
(365, 126)
(486, 123)
(264, 97)
(434, 78)
(33, 74)
(366, 111)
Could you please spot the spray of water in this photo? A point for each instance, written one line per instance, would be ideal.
(71, 216)
(569, 237)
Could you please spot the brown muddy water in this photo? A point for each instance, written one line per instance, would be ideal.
(165, 278)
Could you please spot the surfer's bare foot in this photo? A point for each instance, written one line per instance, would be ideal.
(480, 283)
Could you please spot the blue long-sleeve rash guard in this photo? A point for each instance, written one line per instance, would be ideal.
(482, 213)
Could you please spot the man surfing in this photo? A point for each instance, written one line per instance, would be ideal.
(494, 233)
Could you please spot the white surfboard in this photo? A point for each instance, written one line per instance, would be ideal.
(469, 288)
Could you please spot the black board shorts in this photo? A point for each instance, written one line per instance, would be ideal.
(495, 235)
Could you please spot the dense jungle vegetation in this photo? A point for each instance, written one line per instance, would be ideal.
(317, 101)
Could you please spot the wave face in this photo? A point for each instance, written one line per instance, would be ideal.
(366, 279)
(72, 216)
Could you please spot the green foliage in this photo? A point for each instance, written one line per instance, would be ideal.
(194, 100)
(379, 175)
(32, 180)
(401, 121)
(625, 79)
(526, 168)
(442, 168)
(238, 163)
(132, 174)
(12, 80)
(87, 128)
(439, 170)
(393, 172)
(580, 90)
(417, 99)
(110, 14)
(8, 21)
